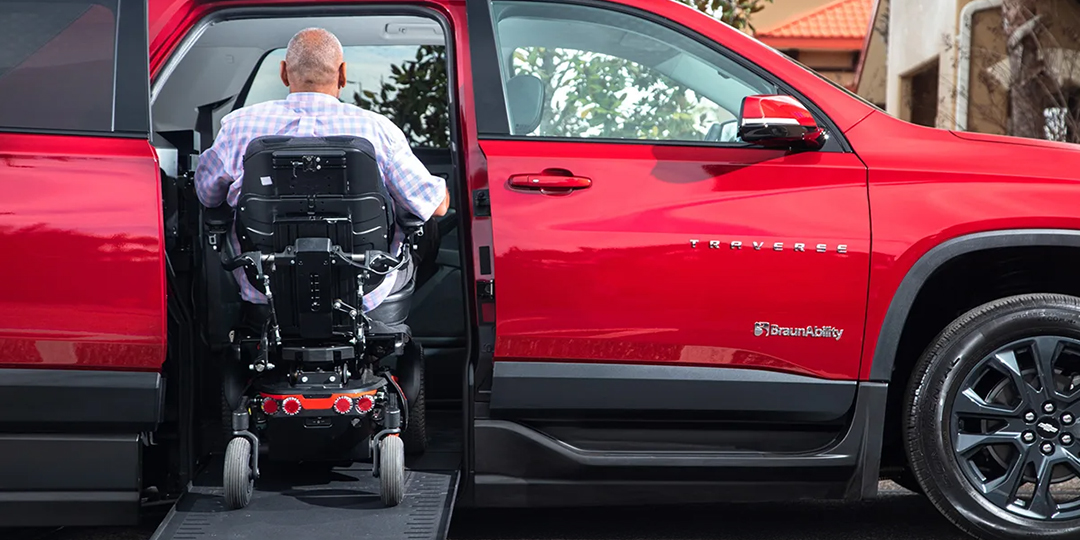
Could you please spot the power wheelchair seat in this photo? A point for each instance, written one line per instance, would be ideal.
(316, 228)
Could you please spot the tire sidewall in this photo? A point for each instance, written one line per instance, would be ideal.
(948, 363)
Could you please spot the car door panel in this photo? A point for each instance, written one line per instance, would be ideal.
(82, 220)
(639, 266)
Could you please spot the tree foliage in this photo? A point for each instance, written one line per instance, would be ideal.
(1039, 105)
(736, 13)
(415, 98)
(585, 92)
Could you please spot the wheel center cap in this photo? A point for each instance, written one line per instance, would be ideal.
(1049, 428)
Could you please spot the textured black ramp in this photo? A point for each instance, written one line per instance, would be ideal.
(315, 505)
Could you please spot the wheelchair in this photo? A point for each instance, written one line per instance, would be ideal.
(316, 227)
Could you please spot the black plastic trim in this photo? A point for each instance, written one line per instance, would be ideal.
(69, 508)
(131, 91)
(58, 480)
(489, 103)
(48, 462)
(85, 401)
(517, 466)
(526, 388)
(487, 65)
(893, 326)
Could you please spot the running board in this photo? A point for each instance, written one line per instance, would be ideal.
(314, 504)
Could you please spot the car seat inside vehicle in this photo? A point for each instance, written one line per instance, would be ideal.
(392, 60)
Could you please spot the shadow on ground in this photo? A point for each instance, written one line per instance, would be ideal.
(896, 515)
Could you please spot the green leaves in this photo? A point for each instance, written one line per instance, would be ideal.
(416, 98)
(733, 12)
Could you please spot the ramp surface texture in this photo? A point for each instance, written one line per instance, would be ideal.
(309, 503)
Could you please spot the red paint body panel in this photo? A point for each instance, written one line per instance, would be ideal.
(605, 273)
(84, 280)
(608, 273)
(928, 186)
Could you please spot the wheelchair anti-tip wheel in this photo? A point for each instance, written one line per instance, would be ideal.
(392, 470)
(239, 480)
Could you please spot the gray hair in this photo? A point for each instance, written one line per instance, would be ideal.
(313, 57)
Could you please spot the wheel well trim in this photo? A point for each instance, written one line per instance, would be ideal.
(929, 263)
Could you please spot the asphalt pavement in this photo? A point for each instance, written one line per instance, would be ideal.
(897, 515)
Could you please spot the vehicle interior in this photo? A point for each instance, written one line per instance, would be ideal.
(234, 62)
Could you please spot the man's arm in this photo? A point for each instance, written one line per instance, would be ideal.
(409, 181)
(212, 178)
(445, 206)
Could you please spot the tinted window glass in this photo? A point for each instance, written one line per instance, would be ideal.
(610, 75)
(56, 64)
(405, 83)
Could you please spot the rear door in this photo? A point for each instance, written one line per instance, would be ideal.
(639, 248)
(82, 301)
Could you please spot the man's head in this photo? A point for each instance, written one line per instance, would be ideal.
(314, 62)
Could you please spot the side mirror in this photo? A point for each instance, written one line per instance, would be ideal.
(779, 121)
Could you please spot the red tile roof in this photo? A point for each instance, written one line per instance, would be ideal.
(843, 19)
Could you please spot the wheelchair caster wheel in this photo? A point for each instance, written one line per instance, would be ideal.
(392, 470)
(239, 478)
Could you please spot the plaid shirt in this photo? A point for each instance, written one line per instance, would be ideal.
(220, 172)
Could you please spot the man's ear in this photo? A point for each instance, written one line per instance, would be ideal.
(284, 74)
(341, 76)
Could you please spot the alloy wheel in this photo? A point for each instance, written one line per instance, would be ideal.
(1015, 422)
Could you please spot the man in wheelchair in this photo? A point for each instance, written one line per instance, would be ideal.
(327, 199)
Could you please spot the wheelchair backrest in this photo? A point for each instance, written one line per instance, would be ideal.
(303, 191)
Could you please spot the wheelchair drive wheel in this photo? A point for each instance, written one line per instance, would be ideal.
(239, 480)
(392, 470)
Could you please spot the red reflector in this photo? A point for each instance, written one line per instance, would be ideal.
(270, 406)
(342, 405)
(291, 406)
(364, 404)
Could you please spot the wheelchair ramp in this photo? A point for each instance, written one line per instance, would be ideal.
(312, 503)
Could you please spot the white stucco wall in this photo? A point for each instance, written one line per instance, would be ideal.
(919, 31)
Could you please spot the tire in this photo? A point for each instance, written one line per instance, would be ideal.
(391, 470)
(982, 374)
(238, 478)
(415, 435)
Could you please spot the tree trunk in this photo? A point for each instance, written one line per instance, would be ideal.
(1028, 95)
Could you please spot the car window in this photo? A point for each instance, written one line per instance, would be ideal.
(610, 75)
(57, 64)
(406, 83)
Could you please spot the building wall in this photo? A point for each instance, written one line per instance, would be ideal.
(921, 32)
(872, 80)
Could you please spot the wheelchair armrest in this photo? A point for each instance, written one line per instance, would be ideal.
(407, 220)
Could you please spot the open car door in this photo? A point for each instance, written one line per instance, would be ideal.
(82, 309)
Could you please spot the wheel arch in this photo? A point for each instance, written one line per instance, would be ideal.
(929, 264)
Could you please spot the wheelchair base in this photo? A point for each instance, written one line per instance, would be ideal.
(317, 416)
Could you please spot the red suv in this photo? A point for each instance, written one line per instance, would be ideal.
(679, 267)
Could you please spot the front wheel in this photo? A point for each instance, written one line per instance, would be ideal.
(991, 419)
(239, 479)
(392, 470)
